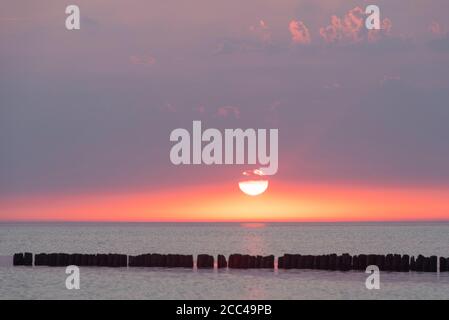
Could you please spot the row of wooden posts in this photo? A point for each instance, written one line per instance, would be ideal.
(331, 262)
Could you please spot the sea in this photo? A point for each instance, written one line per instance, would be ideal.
(413, 238)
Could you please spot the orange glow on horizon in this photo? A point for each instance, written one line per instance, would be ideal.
(225, 203)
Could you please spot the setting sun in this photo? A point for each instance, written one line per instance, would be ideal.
(254, 183)
(253, 188)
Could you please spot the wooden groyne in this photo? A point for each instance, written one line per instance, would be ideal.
(329, 262)
(161, 260)
(345, 262)
(239, 261)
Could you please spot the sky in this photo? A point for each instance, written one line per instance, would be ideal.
(86, 115)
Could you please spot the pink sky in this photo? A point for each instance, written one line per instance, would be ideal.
(86, 115)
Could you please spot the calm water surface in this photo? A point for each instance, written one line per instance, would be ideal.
(277, 239)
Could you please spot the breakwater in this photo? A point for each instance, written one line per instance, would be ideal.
(330, 262)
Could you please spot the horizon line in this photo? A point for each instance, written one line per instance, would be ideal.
(227, 221)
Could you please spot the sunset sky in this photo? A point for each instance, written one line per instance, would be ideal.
(85, 116)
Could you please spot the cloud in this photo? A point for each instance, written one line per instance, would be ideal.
(351, 28)
(376, 35)
(347, 28)
(262, 31)
(259, 39)
(440, 39)
(228, 111)
(299, 32)
(436, 29)
(353, 23)
(145, 60)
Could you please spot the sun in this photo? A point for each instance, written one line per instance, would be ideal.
(254, 184)
(253, 188)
